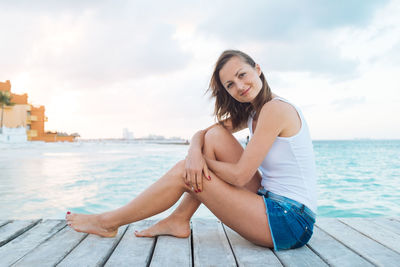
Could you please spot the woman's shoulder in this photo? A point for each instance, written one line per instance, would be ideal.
(277, 105)
(277, 109)
(284, 115)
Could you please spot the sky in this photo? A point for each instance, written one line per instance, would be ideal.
(101, 66)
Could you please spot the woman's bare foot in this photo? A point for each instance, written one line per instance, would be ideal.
(172, 225)
(91, 224)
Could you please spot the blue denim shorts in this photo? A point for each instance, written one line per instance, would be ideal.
(291, 223)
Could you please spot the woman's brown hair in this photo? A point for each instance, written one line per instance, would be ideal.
(225, 105)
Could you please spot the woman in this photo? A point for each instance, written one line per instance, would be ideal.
(222, 175)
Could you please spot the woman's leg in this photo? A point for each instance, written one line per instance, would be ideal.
(160, 196)
(177, 223)
(224, 200)
(238, 208)
(218, 144)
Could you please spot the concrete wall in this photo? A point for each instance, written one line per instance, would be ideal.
(15, 116)
(13, 135)
(38, 124)
(53, 137)
(19, 99)
(5, 86)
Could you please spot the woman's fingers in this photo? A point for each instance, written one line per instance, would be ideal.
(206, 172)
(195, 167)
(199, 182)
(186, 177)
(190, 180)
(193, 181)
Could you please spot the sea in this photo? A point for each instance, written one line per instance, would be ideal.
(356, 178)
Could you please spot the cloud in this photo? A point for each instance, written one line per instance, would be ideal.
(283, 20)
(291, 35)
(88, 46)
(348, 102)
(100, 66)
(390, 57)
(46, 7)
(313, 55)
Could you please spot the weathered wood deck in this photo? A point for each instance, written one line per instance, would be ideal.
(336, 242)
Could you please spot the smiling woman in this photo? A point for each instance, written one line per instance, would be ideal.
(247, 76)
(269, 200)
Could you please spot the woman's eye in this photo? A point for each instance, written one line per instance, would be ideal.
(229, 86)
(242, 74)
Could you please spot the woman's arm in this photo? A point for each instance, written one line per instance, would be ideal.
(195, 163)
(272, 120)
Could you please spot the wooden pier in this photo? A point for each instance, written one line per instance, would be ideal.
(336, 242)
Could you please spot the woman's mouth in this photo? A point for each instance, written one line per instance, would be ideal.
(245, 92)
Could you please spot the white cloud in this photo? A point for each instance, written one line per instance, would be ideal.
(99, 67)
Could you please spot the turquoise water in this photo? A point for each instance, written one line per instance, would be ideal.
(38, 180)
(358, 178)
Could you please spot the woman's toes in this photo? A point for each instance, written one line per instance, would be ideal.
(138, 234)
(143, 233)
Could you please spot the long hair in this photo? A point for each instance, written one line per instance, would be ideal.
(225, 105)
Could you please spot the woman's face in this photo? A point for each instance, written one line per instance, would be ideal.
(241, 80)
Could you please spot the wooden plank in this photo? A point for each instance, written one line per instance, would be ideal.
(132, 250)
(387, 223)
(172, 251)
(249, 254)
(93, 250)
(334, 252)
(12, 230)
(210, 245)
(4, 222)
(366, 247)
(375, 232)
(53, 250)
(300, 257)
(23, 244)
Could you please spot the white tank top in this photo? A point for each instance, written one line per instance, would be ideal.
(289, 167)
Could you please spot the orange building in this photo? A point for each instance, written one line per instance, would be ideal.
(32, 118)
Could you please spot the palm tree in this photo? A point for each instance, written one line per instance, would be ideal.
(5, 100)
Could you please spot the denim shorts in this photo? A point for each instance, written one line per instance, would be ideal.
(291, 223)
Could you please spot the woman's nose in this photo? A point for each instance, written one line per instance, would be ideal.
(240, 85)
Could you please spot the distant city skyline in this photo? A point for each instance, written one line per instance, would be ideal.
(126, 134)
(99, 67)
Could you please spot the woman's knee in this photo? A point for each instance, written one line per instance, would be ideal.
(179, 168)
(176, 173)
(216, 133)
(219, 143)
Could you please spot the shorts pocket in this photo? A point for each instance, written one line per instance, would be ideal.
(304, 238)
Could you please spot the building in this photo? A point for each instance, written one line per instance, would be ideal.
(126, 134)
(23, 117)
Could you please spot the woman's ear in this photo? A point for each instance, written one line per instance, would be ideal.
(258, 69)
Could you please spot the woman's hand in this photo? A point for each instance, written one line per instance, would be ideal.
(195, 167)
